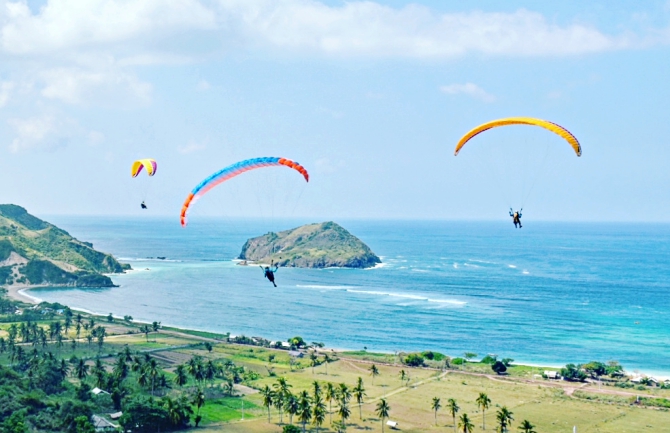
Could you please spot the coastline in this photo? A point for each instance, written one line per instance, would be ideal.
(18, 293)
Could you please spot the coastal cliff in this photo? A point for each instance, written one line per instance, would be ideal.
(311, 246)
(35, 252)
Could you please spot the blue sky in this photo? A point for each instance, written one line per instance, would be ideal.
(370, 97)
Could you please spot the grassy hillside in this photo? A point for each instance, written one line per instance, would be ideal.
(32, 251)
(311, 246)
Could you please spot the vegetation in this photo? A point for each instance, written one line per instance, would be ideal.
(41, 253)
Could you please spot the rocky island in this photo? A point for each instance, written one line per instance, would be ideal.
(34, 252)
(311, 246)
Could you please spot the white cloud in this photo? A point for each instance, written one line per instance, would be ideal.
(367, 28)
(469, 89)
(68, 24)
(191, 147)
(5, 89)
(203, 85)
(80, 86)
(43, 131)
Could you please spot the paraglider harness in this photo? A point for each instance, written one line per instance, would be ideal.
(269, 273)
(144, 206)
(516, 217)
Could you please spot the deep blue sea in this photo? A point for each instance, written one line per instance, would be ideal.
(550, 293)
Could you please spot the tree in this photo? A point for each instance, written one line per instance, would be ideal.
(316, 386)
(318, 412)
(465, 424)
(290, 428)
(344, 393)
(436, 406)
(83, 425)
(268, 399)
(152, 371)
(208, 346)
(331, 394)
(313, 360)
(504, 418)
(344, 413)
(110, 318)
(180, 378)
(178, 410)
(81, 369)
(573, 373)
(291, 406)
(327, 359)
(469, 355)
(156, 326)
(526, 427)
(359, 393)
(453, 408)
(304, 409)
(498, 367)
(198, 401)
(404, 376)
(382, 411)
(483, 402)
(374, 371)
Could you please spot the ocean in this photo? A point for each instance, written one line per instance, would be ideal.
(547, 294)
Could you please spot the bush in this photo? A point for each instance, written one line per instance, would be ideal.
(573, 373)
(498, 367)
(458, 361)
(290, 428)
(433, 356)
(413, 360)
(489, 359)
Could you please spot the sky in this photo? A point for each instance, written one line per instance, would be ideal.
(370, 96)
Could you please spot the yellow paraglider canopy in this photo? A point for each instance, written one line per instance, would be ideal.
(556, 129)
(148, 164)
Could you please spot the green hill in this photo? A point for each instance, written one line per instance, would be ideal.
(34, 252)
(311, 246)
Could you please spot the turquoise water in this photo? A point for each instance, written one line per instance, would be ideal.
(550, 293)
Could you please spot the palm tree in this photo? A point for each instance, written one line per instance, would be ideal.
(436, 406)
(331, 394)
(326, 360)
(180, 378)
(359, 393)
(291, 406)
(81, 370)
(526, 427)
(281, 392)
(344, 413)
(318, 412)
(304, 409)
(403, 376)
(313, 359)
(374, 372)
(504, 418)
(63, 368)
(344, 393)
(317, 389)
(452, 407)
(152, 371)
(383, 411)
(198, 401)
(268, 399)
(209, 372)
(483, 402)
(465, 424)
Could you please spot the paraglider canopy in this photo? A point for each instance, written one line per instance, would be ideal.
(556, 129)
(148, 164)
(234, 170)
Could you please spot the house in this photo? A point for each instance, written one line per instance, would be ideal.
(116, 415)
(102, 425)
(285, 344)
(552, 374)
(296, 354)
(392, 424)
(98, 391)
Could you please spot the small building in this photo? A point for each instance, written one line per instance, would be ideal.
(552, 374)
(392, 424)
(98, 391)
(102, 425)
(285, 344)
(296, 354)
(116, 415)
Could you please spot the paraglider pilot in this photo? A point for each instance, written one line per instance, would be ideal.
(269, 273)
(516, 218)
(144, 206)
